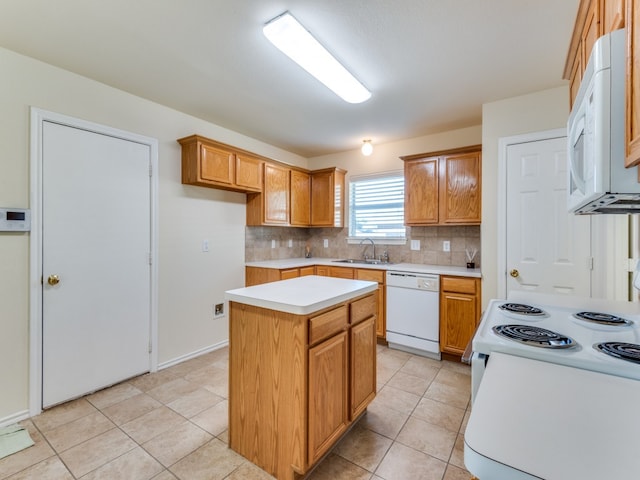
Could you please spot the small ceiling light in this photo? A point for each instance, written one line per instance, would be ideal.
(367, 148)
(298, 44)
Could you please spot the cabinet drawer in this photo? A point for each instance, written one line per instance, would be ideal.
(327, 324)
(364, 308)
(370, 275)
(341, 272)
(458, 284)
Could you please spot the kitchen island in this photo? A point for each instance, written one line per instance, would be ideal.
(302, 368)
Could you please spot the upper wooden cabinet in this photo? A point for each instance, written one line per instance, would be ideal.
(277, 193)
(633, 83)
(327, 197)
(594, 19)
(271, 206)
(443, 188)
(300, 203)
(208, 163)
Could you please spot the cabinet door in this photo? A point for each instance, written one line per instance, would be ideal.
(276, 195)
(421, 191)
(300, 198)
(458, 314)
(590, 31)
(327, 198)
(328, 408)
(612, 15)
(363, 366)
(460, 188)
(216, 164)
(259, 275)
(633, 83)
(248, 172)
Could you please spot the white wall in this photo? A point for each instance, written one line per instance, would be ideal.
(535, 112)
(190, 281)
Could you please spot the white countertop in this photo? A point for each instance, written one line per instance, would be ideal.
(401, 267)
(552, 422)
(302, 295)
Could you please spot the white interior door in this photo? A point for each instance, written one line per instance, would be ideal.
(548, 250)
(96, 234)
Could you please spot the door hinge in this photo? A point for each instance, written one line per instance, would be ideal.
(590, 263)
(150, 170)
(150, 348)
(150, 259)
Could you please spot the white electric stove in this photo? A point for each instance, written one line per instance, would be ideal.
(567, 337)
(589, 334)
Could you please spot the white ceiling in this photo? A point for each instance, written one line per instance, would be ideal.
(430, 64)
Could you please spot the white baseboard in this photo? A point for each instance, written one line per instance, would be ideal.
(189, 356)
(15, 418)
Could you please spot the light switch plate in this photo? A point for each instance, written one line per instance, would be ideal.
(415, 244)
(446, 246)
(326, 243)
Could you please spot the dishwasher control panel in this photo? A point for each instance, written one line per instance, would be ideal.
(417, 281)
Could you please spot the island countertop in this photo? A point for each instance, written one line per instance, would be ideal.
(302, 295)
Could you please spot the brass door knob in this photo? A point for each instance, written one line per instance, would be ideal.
(53, 280)
(514, 273)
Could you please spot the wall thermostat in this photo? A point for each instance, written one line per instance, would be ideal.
(15, 220)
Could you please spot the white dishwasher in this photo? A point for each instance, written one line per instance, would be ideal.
(413, 313)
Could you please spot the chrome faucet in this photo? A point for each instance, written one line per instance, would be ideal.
(364, 253)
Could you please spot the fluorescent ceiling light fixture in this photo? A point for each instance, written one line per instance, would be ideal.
(297, 43)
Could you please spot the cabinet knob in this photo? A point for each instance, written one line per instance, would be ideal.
(514, 273)
(53, 280)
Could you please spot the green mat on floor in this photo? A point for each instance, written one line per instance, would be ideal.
(13, 439)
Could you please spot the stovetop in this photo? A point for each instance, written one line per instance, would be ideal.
(556, 315)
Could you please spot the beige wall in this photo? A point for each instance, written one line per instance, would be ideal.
(535, 112)
(190, 281)
(386, 157)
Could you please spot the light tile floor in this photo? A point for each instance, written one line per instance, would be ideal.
(173, 424)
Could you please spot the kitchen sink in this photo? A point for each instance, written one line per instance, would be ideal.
(363, 262)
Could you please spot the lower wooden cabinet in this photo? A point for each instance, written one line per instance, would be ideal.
(259, 275)
(459, 312)
(298, 382)
(328, 396)
(363, 366)
(379, 276)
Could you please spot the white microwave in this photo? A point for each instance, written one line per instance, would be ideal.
(598, 182)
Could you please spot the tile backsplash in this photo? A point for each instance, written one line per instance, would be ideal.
(275, 243)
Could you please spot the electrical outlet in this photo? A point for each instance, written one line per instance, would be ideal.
(273, 243)
(446, 246)
(290, 243)
(326, 243)
(218, 310)
(415, 244)
(205, 245)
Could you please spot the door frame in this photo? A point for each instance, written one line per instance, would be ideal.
(503, 145)
(38, 117)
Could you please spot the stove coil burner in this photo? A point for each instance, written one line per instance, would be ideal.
(522, 309)
(624, 351)
(603, 319)
(534, 336)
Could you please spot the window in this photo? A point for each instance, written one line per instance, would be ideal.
(376, 206)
